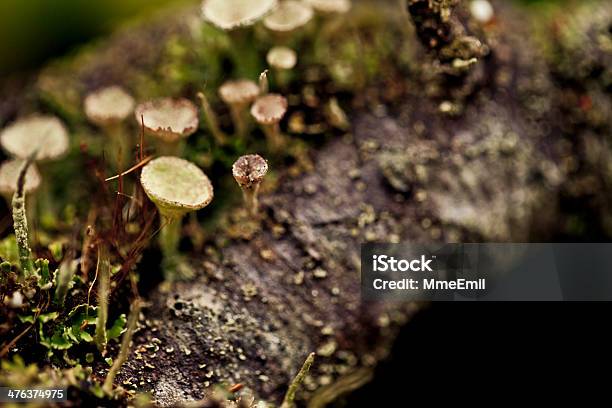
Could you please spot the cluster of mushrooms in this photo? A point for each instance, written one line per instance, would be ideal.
(175, 185)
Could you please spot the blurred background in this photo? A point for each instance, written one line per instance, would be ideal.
(33, 31)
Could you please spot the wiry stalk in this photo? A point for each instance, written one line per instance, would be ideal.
(297, 381)
(124, 351)
(20, 220)
(211, 120)
(104, 272)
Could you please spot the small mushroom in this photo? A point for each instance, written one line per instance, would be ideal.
(268, 110)
(482, 11)
(176, 186)
(108, 108)
(9, 172)
(238, 95)
(233, 14)
(282, 60)
(249, 172)
(169, 120)
(289, 16)
(44, 135)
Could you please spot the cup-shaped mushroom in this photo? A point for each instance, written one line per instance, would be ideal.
(176, 186)
(238, 95)
(41, 134)
(9, 176)
(249, 171)
(268, 110)
(288, 17)
(108, 108)
(9, 173)
(169, 121)
(233, 14)
(282, 60)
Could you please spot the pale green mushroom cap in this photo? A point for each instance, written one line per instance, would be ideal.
(43, 134)
(9, 172)
(330, 6)
(232, 14)
(282, 58)
(176, 186)
(108, 106)
(289, 16)
(168, 119)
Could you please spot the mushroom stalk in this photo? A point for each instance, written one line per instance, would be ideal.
(276, 140)
(238, 112)
(251, 199)
(124, 351)
(120, 146)
(212, 120)
(20, 221)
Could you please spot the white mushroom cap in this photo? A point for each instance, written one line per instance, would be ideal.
(231, 14)
(482, 11)
(168, 119)
(240, 91)
(330, 6)
(282, 58)
(288, 16)
(176, 186)
(249, 170)
(9, 172)
(45, 134)
(108, 105)
(269, 109)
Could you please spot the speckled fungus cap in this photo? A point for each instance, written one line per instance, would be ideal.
(240, 91)
(330, 6)
(282, 58)
(9, 172)
(250, 170)
(232, 14)
(269, 109)
(176, 186)
(108, 105)
(45, 134)
(168, 119)
(288, 16)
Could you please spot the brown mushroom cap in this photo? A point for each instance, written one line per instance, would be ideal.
(288, 16)
(231, 14)
(269, 109)
(45, 134)
(240, 91)
(176, 185)
(249, 170)
(330, 6)
(9, 172)
(168, 119)
(282, 58)
(108, 105)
